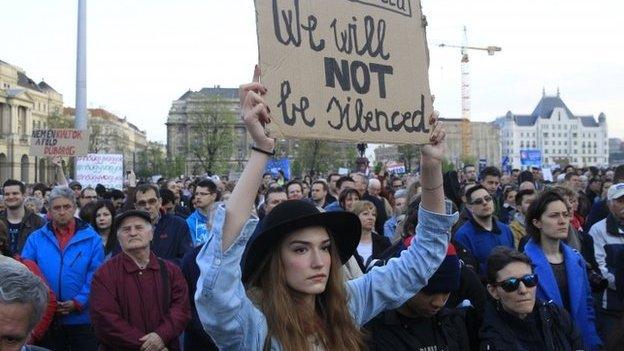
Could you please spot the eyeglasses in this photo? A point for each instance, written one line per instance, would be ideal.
(482, 200)
(512, 284)
(153, 201)
(59, 208)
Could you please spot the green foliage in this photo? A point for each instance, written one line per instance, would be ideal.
(409, 154)
(447, 166)
(212, 135)
(322, 157)
(470, 160)
(151, 161)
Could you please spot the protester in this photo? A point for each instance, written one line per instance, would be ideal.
(608, 236)
(206, 195)
(489, 178)
(508, 209)
(562, 270)
(343, 183)
(171, 233)
(400, 201)
(179, 207)
(333, 192)
(103, 222)
(19, 221)
(524, 199)
(302, 302)
(87, 195)
(423, 322)
(68, 251)
(516, 320)
(125, 317)
(294, 190)
(319, 192)
(482, 232)
(23, 301)
(361, 185)
(371, 245)
(469, 174)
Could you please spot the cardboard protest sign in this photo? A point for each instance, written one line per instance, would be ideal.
(59, 142)
(105, 169)
(347, 70)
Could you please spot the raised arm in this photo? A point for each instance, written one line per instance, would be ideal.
(431, 168)
(255, 114)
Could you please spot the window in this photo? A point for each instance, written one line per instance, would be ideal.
(545, 135)
(545, 142)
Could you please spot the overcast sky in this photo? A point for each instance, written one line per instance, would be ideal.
(143, 54)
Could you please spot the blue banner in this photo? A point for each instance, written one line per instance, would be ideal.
(275, 165)
(531, 157)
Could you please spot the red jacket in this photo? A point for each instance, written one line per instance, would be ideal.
(127, 303)
(42, 327)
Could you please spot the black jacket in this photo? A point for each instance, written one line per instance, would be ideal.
(390, 331)
(30, 223)
(380, 244)
(558, 332)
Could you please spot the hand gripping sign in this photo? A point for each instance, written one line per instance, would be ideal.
(346, 70)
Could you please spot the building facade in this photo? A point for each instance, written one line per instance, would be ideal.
(110, 134)
(24, 105)
(616, 151)
(485, 144)
(562, 137)
(182, 126)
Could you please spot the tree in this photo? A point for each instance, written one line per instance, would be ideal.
(212, 124)
(314, 157)
(409, 153)
(95, 137)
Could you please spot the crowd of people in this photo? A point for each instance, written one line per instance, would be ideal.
(465, 260)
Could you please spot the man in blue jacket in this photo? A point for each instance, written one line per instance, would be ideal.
(206, 195)
(68, 251)
(482, 232)
(172, 239)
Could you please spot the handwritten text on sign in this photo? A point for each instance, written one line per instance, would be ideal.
(59, 142)
(105, 169)
(345, 69)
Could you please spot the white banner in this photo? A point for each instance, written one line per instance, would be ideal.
(105, 169)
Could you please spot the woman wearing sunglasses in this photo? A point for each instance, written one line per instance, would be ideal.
(562, 270)
(516, 320)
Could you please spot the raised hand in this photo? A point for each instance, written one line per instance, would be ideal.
(255, 112)
(435, 150)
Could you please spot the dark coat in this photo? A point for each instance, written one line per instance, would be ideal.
(380, 244)
(128, 303)
(558, 331)
(172, 239)
(388, 331)
(30, 223)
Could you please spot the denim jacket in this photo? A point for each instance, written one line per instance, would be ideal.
(235, 323)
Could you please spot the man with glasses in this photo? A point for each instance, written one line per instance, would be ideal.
(171, 233)
(206, 195)
(68, 251)
(482, 232)
(87, 196)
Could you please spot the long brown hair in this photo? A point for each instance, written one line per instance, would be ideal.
(293, 326)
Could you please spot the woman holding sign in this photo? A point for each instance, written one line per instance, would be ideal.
(289, 294)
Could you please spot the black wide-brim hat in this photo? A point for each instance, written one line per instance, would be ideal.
(344, 228)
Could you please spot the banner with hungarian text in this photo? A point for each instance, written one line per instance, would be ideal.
(105, 169)
(59, 142)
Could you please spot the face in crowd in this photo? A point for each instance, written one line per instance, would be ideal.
(470, 174)
(481, 204)
(491, 183)
(103, 218)
(274, 199)
(318, 192)
(148, 201)
(204, 198)
(367, 219)
(514, 289)
(295, 191)
(554, 222)
(306, 260)
(62, 211)
(13, 197)
(134, 233)
(87, 196)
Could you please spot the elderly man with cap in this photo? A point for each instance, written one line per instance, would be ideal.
(423, 322)
(139, 301)
(23, 301)
(608, 235)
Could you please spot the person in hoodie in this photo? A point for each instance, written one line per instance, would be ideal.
(68, 251)
(206, 195)
(171, 233)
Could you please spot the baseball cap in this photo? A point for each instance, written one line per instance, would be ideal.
(615, 191)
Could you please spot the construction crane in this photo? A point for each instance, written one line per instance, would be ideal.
(466, 129)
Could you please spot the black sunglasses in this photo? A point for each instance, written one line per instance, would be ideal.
(512, 284)
(482, 200)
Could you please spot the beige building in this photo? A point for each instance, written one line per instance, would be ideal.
(485, 144)
(110, 134)
(24, 105)
(181, 124)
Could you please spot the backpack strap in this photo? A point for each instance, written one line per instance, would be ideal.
(166, 285)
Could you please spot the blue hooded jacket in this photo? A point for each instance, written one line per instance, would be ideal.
(68, 272)
(581, 301)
